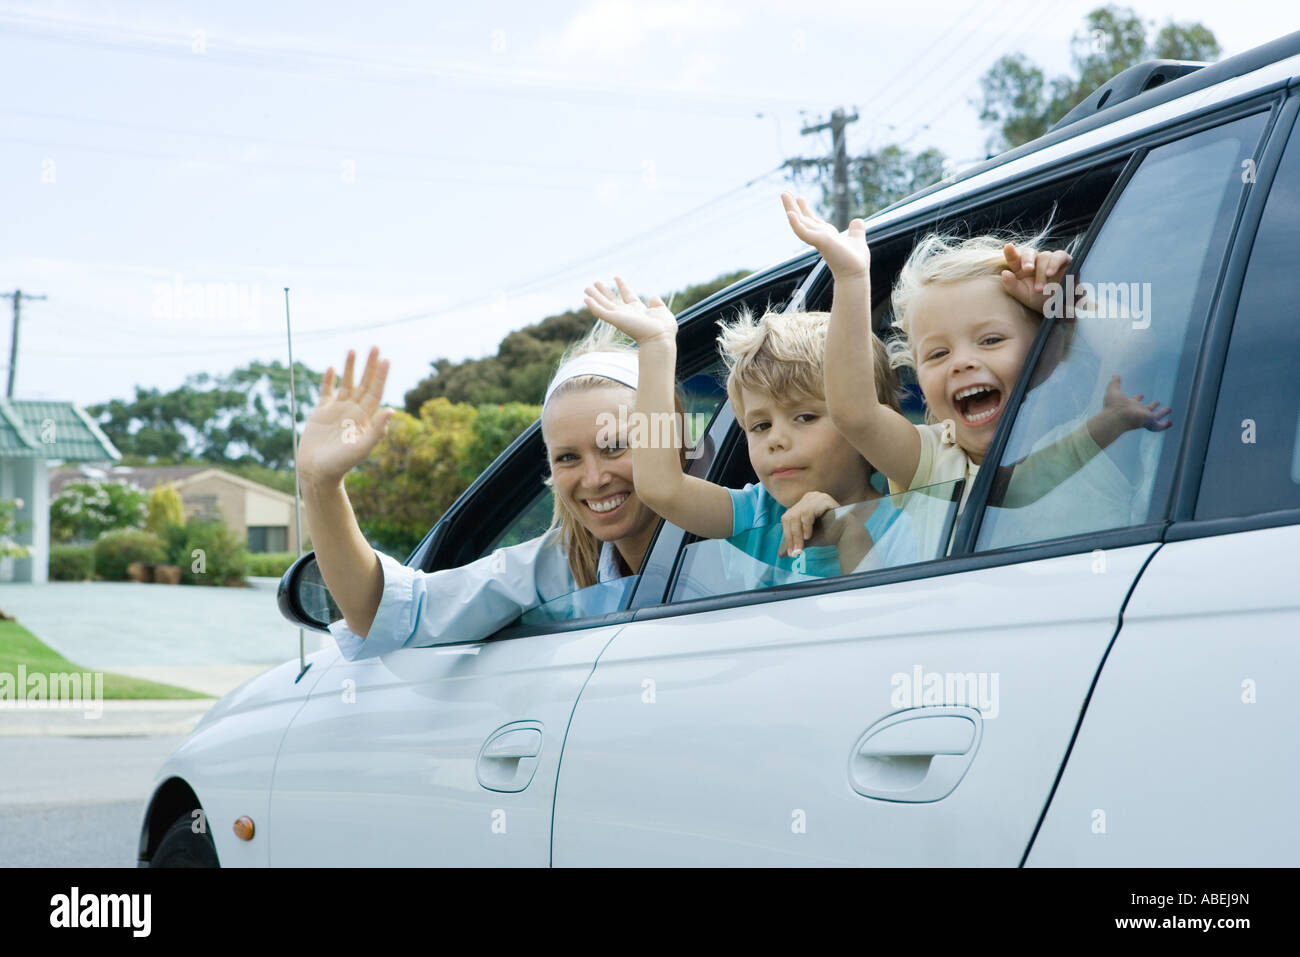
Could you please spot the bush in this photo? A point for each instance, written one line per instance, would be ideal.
(116, 549)
(72, 563)
(163, 508)
(269, 564)
(209, 554)
(83, 511)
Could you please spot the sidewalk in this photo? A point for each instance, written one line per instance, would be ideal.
(117, 719)
(209, 640)
(134, 717)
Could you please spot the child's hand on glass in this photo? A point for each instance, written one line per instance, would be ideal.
(1030, 273)
(1131, 413)
(845, 253)
(625, 310)
(798, 521)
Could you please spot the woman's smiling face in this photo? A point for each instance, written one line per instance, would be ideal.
(595, 482)
(971, 340)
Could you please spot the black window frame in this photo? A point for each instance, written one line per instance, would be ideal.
(1185, 526)
(962, 556)
(665, 550)
(491, 502)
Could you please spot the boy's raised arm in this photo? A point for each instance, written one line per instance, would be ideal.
(885, 438)
(693, 504)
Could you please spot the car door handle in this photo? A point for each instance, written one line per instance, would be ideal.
(915, 756)
(510, 756)
(523, 743)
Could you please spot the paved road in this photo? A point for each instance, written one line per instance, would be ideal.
(77, 802)
(125, 625)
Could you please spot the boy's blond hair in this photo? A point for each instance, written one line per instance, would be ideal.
(783, 354)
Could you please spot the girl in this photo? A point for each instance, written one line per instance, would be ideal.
(599, 532)
(967, 313)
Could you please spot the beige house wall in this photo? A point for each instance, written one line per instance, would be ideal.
(239, 506)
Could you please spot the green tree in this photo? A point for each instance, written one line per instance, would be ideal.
(526, 358)
(163, 508)
(1019, 103)
(218, 420)
(423, 465)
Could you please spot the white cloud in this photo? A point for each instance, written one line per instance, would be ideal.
(612, 30)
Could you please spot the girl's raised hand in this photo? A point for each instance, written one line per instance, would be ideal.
(346, 424)
(1030, 273)
(845, 253)
(625, 310)
(1132, 412)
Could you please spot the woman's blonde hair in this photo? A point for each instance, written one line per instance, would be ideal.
(783, 354)
(579, 541)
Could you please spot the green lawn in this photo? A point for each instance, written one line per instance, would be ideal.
(18, 646)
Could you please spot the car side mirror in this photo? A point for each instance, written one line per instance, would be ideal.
(303, 597)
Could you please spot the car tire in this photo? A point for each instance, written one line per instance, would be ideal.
(181, 847)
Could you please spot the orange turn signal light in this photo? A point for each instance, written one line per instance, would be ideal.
(244, 828)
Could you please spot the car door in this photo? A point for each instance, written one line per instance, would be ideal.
(918, 715)
(1184, 757)
(447, 755)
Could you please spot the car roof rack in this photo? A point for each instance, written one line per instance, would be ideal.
(1127, 84)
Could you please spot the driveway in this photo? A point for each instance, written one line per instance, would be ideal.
(207, 639)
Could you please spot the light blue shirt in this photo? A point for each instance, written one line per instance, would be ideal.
(418, 608)
(753, 507)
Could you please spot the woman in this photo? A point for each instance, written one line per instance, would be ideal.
(600, 530)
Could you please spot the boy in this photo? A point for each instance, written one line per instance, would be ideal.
(805, 467)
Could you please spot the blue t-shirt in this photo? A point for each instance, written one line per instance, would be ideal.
(756, 530)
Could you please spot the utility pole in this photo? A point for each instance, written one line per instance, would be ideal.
(17, 296)
(838, 160)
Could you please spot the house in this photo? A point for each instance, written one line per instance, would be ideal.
(257, 514)
(32, 433)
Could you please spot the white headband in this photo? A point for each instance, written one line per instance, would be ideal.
(619, 366)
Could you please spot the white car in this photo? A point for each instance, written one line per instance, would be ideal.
(1095, 678)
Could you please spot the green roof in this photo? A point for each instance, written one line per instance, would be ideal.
(51, 430)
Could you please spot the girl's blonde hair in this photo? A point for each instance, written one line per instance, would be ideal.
(580, 542)
(783, 354)
(944, 260)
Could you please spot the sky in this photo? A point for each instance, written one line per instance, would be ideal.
(427, 177)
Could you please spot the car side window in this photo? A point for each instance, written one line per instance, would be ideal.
(1252, 464)
(1082, 455)
(886, 532)
(702, 395)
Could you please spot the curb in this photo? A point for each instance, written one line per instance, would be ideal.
(112, 718)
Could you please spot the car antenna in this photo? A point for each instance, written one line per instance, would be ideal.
(297, 495)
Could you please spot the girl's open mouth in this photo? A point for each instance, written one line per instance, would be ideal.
(979, 404)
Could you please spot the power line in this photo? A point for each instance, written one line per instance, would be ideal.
(338, 149)
(332, 172)
(391, 69)
(585, 265)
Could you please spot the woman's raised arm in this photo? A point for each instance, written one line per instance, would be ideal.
(340, 433)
